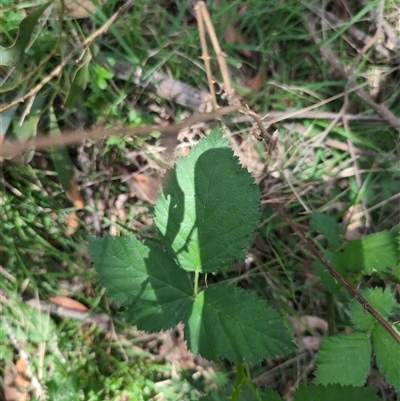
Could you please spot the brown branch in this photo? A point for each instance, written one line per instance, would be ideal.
(43, 142)
(199, 8)
(357, 296)
(355, 36)
(10, 149)
(198, 100)
(276, 116)
(204, 17)
(67, 59)
(379, 108)
(202, 8)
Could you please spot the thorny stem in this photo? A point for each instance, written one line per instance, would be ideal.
(202, 8)
(206, 58)
(357, 296)
(330, 313)
(204, 17)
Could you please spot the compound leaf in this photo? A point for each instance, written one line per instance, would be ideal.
(144, 279)
(334, 392)
(387, 356)
(381, 300)
(344, 359)
(230, 323)
(209, 208)
(326, 226)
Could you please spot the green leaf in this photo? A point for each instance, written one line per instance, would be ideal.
(230, 323)
(226, 393)
(373, 252)
(209, 208)
(387, 356)
(326, 226)
(61, 158)
(334, 392)
(270, 395)
(144, 279)
(245, 395)
(40, 327)
(397, 272)
(79, 82)
(381, 300)
(344, 359)
(12, 55)
(64, 388)
(28, 129)
(7, 116)
(100, 75)
(356, 139)
(329, 283)
(397, 267)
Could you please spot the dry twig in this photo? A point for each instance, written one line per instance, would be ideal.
(42, 142)
(386, 114)
(199, 8)
(204, 17)
(60, 67)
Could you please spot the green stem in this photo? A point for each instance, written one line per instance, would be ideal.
(251, 387)
(330, 313)
(196, 283)
(238, 383)
(240, 378)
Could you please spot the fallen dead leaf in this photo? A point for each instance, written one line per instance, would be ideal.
(307, 323)
(311, 343)
(256, 83)
(232, 37)
(72, 223)
(144, 187)
(74, 195)
(340, 8)
(76, 9)
(21, 381)
(68, 303)
(354, 226)
(119, 206)
(15, 386)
